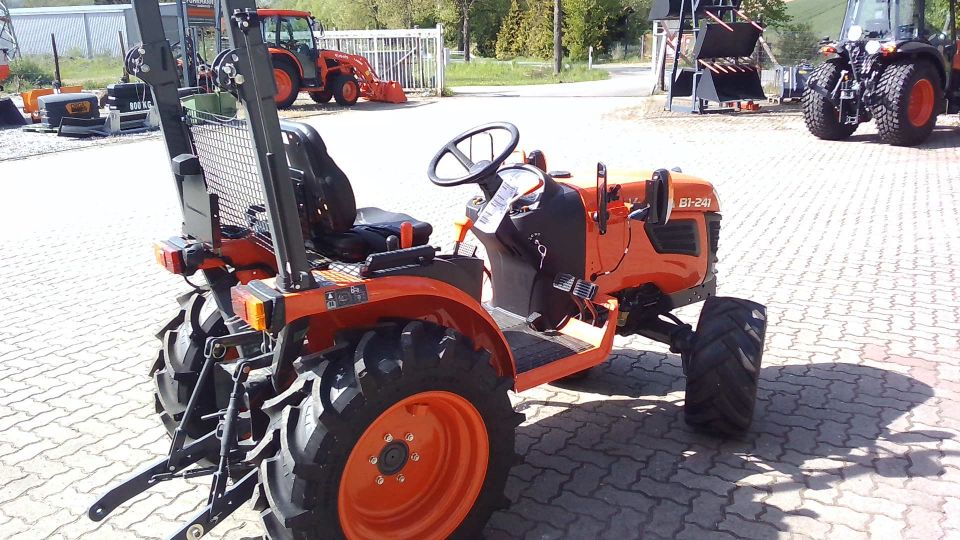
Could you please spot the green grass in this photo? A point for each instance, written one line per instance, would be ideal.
(825, 16)
(91, 73)
(484, 72)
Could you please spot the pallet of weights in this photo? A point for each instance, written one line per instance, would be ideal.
(53, 109)
(129, 110)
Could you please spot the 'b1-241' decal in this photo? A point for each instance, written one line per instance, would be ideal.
(695, 202)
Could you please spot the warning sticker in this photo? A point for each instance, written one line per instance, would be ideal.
(347, 296)
(492, 214)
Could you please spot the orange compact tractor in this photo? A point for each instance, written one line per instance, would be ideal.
(299, 65)
(345, 374)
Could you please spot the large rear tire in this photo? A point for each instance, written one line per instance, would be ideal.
(821, 117)
(179, 361)
(287, 79)
(723, 365)
(403, 431)
(911, 96)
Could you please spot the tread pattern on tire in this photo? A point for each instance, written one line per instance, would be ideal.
(820, 116)
(337, 398)
(724, 365)
(180, 359)
(894, 89)
(293, 72)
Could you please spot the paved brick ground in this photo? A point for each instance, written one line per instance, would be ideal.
(854, 247)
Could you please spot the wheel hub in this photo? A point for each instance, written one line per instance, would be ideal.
(393, 457)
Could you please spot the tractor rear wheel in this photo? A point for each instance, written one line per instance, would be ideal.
(179, 361)
(821, 117)
(322, 96)
(287, 78)
(346, 90)
(403, 431)
(911, 96)
(723, 365)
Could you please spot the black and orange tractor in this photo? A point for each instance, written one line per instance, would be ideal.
(348, 376)
(896, 62)
(299, 65)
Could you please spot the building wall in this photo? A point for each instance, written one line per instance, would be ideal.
(83, 30)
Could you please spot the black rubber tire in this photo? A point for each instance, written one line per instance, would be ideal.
(896, 84)
(323, 96)
(723, 365)
(294, 74)
(180, 359)
(339, 83)
(821, 117)
(346, 391)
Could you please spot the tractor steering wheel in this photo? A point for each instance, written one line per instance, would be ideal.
(481, 170)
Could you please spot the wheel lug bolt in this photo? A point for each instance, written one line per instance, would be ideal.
(388, 437)
(409, 437)
(415, 456)
(373, 460)
(379, 480)
(400, 478)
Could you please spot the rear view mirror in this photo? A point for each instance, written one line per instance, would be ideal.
(659, 197)
(602, 213)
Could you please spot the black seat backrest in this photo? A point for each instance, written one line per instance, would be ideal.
(328, 197)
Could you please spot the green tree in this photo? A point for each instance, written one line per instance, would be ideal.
(769, 12)
(587, 24)
(510, 42)
(537, 29)
(797, 42)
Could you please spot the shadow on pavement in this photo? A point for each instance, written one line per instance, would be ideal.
(942, 137)
(627, 466)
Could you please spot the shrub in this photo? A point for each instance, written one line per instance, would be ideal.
(29, 73)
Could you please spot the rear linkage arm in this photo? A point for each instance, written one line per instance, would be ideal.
(221, 501)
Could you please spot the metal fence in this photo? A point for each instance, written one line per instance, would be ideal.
(412, 57)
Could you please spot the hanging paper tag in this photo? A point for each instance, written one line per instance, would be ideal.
(492, 214)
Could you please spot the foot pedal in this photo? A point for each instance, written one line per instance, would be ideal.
(564, 282)
(585, 290)
(535, 321)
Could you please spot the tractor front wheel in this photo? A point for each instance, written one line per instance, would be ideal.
(723, 365)
(346, 90)
(911, 96)
(820, 115)
(288, 83)
(404, 431)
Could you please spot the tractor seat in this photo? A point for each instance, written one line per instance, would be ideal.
(337, 228)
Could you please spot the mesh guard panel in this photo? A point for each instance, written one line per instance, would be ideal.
(226, 153)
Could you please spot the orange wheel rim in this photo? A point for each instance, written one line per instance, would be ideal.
(416, 471)
(350, 91)
(921, 103)
(284, 84)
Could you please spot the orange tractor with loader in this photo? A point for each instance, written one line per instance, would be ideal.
(350, 378)
(299, 65)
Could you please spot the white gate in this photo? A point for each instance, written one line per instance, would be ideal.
(412, 57)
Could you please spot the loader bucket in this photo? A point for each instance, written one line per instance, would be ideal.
(715, 41)
(9, 114)
(730, 86)
(683, 84)
(388, 92)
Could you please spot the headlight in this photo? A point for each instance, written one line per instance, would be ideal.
(872, 46)
(855, 33)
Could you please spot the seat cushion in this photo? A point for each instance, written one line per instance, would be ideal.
(369, 234)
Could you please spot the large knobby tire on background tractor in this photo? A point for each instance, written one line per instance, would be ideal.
(403, 431)
(723, 366)
(911, 96)
(346, 90)
(179, 362)
(821, 117)
(287, 78)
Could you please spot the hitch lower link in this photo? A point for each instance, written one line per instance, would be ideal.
(222, 442)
